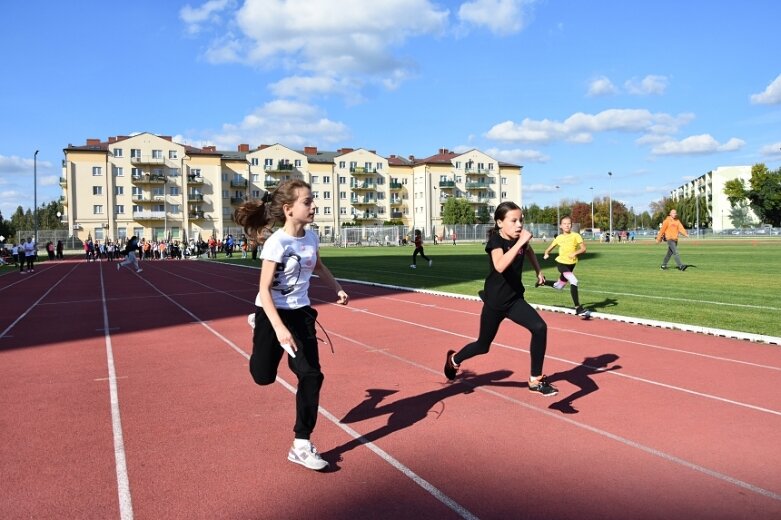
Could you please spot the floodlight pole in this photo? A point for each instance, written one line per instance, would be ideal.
(610, 203)
(35, 194)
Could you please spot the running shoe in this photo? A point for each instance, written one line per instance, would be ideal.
(542, 387)
(451, 369)
(413, 266)
(663, 268)
(139, 270)
(119, 267)
(307, 457)
(430, 262)
(683, 267)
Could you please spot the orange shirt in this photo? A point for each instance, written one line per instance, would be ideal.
(671, 227)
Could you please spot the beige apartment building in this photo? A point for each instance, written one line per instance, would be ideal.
(150, 186)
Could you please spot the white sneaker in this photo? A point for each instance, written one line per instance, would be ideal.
(559, 285)
(119, 267)
(139, 270)
(430, 262)
(307, 457)
(251, 320)
(413, 266)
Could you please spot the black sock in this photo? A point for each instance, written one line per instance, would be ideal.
(573, 290)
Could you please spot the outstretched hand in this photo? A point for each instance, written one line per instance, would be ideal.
(342, 298)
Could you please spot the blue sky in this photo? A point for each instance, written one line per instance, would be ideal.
(656, 92)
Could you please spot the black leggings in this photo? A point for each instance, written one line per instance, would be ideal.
(418, 251)
(267, 353)
(521, 313)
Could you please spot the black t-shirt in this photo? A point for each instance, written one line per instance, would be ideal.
(502, 290)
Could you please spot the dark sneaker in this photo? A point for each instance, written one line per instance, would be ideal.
(542, 387)
(451, 369)
(683, 267)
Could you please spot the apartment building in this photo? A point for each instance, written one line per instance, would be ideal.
(709, 188)
(150, 186)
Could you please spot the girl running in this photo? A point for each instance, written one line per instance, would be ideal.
(130, 254)
(502, 297)
(570, 246)
(283, 317)
(419, 251)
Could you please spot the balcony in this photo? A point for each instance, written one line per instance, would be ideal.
(447, 184)
(365, 216)
(396, 214)
(195, 197)
(363, 201)
(147, 159)
(396, 202)
(194, 179)
(149, 215)
(197, 215)
(140, 199)
(477, 185)
(239, 183)
(395, 186)
(64, 200)
(360, 170)
(271, 184)
(237, 200)
(279, 168)
(363, 186)
(63, 182)
(148, 179)
(471, 172)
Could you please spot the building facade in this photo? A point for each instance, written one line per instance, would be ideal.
(150, 186)
(716, 208)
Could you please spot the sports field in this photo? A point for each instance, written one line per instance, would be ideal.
(733, 285)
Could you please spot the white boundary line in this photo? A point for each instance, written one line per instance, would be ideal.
(123, 482)
(757, 338)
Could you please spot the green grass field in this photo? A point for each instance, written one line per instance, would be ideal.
(734, 285)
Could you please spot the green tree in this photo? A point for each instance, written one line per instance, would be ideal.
(739, 216)
(483, 216)
(457, 211)
(763, 194)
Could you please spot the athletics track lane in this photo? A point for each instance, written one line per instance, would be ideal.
(203, 441)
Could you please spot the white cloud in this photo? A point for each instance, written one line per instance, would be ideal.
(580, 127)
(14, 165)
(501, 17)
(771, 95)
(517, 156)
(48, 180)
(773, 149)
(650, 84)
(697, 145)
(193, 17)
(290, 123)
(601, 86)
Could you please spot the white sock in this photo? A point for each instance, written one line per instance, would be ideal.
(301, 443)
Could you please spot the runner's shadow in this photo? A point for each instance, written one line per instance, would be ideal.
(581, 376)
(409, 410)
(607, 302)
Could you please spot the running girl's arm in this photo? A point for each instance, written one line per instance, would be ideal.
(502, 260)
(548, 249)
(325, 275)
(535, 264)
(579, 251)
(266, 280)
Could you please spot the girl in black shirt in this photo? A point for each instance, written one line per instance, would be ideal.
(502, 297)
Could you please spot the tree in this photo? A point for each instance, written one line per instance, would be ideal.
(739, 216)
(483, 217)
(581, 214)
(763, 194)
(457, 211)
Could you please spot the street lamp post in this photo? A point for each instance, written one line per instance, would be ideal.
(35, 194)
(558, 204)
(592, 210)
(610, 202)
(697, 203)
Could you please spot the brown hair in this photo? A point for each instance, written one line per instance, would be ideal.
(258, 217)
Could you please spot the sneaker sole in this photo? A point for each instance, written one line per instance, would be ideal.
(300, 462)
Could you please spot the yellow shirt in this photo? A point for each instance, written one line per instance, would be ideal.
(568, 243)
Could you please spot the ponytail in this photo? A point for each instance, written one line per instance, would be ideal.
(258, 217)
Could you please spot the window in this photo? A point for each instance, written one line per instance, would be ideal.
(297, 163)
(224, 177)
(119, 171)
(158, 191)
(137, 192)
(368, 166)
(343, 211)
(268, 163)
(135, 172)
(97, 209)
(504, 180)
(315, 179)
(158, 207)
(135, 153)
(490, 166)
(157, 154)
(458, 165)
(195, 172)
(175, 233)
(255, 177)
(97, 190)
(254, 161)
(99, 233)
(119, 190)
(173, 190)
(175, 208)
(379, 166)
(326, 179)
(117, 152)
(137, 209)
(353, 164)
(342, 195)
(341, 164)
(317, 210)
(255, 194)
(97, 170)
(342, 180)
(327, 210)
(225, 194)
(504, 195)
(121, 234)
(327, 195)
(315, 194)
(172, 154)
(158, 172)
(119, 209)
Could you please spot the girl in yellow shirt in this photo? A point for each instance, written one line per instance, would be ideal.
(570, 246)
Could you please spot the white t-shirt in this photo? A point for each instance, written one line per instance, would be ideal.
(296, 258)
(29, 249)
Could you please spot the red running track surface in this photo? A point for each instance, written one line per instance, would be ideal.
(128, 395)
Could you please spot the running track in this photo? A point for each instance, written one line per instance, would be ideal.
(128, 396)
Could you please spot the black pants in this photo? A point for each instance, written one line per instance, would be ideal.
(418, 251)
(30, 260)
(267, 353)
(521, 313)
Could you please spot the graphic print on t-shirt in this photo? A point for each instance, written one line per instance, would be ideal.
(287, 273)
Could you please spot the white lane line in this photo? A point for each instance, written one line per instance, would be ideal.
(31, 307)
(623, 440)
(417, 479)
(567, 361)
(123, 482)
